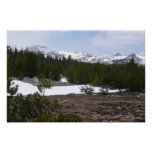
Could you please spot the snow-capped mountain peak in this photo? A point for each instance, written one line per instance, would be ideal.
(40, 48)
(117, 54)
(80, 56)
(87, 57)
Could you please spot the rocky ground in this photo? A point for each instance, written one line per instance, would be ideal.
(128, 107)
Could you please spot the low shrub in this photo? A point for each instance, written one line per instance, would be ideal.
(29, 108)
(87, 90)
(104, 91)
(36, 108)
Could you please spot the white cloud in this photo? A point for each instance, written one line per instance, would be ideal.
(22, 39)
(27, 38)
(142, 53)
(118, 39)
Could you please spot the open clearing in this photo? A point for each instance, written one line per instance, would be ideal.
(115, 107)
(128, 107)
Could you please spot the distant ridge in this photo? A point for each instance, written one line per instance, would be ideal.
(87, 57)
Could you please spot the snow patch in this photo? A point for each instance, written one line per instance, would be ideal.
(64, 79)
(27, 88)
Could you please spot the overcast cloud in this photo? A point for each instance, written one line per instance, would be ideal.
(118, 39)
(27, 38)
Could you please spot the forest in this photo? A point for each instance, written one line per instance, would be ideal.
(24, 63)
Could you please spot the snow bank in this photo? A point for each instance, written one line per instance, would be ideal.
(64, 79)
(27, 88)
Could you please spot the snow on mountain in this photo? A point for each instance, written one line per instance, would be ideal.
(75, 55)
(55, 54)
(137, 58)
(117, 56)
(87, 57)
(142, 61)
(39, 48)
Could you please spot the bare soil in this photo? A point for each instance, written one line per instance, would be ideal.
(128, 107)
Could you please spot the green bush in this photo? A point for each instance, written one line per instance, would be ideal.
(29, 108)
(87, 90)
(104, 91)
(36, 108)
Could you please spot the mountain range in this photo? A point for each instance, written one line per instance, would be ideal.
(87, 57)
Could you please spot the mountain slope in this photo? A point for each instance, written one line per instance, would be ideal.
(86, 57)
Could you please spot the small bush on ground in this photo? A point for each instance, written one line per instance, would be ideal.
(104, 91)
(11, 90)
(121, 91)
(43, 84)
(86, 90)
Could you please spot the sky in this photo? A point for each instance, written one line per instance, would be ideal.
(95, 42)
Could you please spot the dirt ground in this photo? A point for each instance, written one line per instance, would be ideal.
(129, 107)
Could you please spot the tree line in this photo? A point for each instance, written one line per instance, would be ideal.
(24, 63)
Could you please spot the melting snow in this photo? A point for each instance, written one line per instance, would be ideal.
(64, 79)
(27, 88)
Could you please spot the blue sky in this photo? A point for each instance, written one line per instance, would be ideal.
(95, 42)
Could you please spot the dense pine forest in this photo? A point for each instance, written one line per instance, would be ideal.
(23, 63)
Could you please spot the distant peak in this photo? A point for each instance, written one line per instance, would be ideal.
(133, 55)
(117, 54)
(40, 46)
